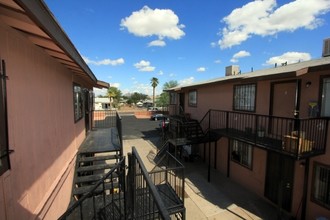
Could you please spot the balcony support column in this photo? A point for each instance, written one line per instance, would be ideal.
(305, 190)
(209, 164)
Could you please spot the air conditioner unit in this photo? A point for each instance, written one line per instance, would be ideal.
(326, 48)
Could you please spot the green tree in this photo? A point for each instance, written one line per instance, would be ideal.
(154, 83)
(114, 95)
(164, 98)
(136, 97)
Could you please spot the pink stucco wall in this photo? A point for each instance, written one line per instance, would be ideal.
(220, 96)
(41, 131)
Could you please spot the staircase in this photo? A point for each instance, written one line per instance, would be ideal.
(90, 168)
(192, 129)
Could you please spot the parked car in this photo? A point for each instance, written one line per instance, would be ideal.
(153, 109)
(157, 117)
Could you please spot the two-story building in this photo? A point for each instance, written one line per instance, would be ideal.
(45, 104)
(267, 130)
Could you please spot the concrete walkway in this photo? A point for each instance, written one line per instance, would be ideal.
(220, 199)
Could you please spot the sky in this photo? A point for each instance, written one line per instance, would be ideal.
(128, 42)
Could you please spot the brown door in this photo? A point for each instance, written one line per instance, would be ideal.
(280, 169)
(279, 180)
(285, 99)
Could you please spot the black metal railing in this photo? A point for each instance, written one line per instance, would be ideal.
(144, 201)
(101, 200)
(168, 176)
(297, 137)
(104, 118)
(120, 132)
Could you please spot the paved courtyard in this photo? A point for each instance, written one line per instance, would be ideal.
(219, 199)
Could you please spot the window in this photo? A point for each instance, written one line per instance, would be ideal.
(325, 101)
(172, 98)
(244, 97)
(241, 153)
(78, 102)
(192, 98)
(321, 185)
(4, 149)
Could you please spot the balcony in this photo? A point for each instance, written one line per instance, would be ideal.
(103, 190)
(298, 138)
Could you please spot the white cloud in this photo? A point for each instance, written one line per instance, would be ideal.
(201, 69)
(117, 85)
(163, 23)
(98, 91)
(288, 57)
(217, 61)
(187, 81)
(145, 89)
(157, 43)
(264, 18)
(144, 66)
(214, 44)
(110, 62)
(239, 55)
(160, 73)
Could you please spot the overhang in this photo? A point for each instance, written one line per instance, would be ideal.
(282, 72)
(35, 21)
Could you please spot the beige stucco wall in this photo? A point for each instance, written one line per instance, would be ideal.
(41, 131)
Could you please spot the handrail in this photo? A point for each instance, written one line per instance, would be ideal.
(120, 132)
(161, 209)
(78, 203)
(172, 167)
(299, 137)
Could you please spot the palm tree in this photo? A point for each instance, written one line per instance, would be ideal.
(154, 83)
(114, 95)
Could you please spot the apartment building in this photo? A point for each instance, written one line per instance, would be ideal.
(45, 92)
(265, 129)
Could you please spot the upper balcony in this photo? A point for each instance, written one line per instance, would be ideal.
(298, 138)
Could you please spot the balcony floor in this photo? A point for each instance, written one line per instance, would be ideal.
(101, 140)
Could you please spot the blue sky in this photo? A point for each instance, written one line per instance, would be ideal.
(128, 42)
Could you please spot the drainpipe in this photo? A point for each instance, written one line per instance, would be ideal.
(305, 190)
(297, 105)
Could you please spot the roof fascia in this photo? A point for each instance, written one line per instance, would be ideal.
(41, 15)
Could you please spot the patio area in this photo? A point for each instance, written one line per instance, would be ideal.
(219, 199)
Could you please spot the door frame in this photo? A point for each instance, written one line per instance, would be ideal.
(297, 96)
(279, 173)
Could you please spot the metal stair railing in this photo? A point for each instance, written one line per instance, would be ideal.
(144, 201)
(89, 205)
(168, 176)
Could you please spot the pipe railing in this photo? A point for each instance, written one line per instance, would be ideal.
(293, 136)
(104, 118)
(169, 171)
(99, 198)
(145, 201)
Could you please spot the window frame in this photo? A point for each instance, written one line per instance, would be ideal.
(78, 102)
(172, 98)
(314, 199)
(4, 150)
(321, 98)
(241, 145)
(245, 106)
(192, 98)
